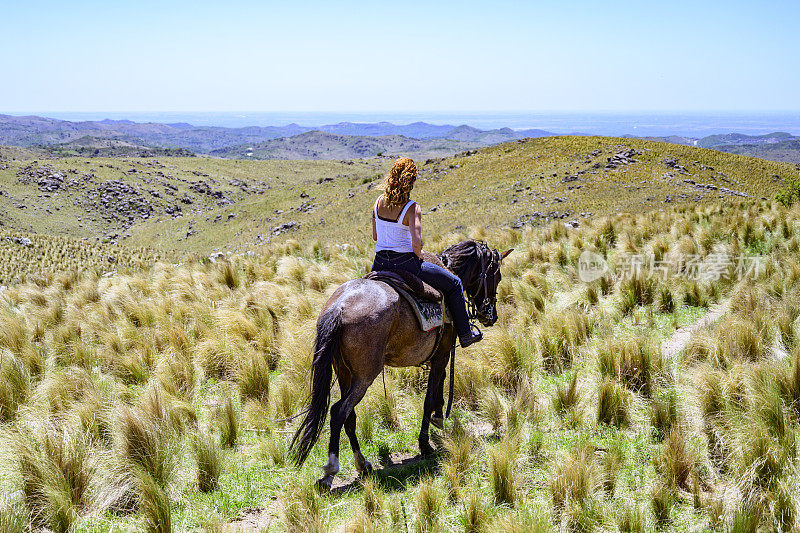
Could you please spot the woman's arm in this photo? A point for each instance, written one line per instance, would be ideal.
(374, 229)
(415, 225)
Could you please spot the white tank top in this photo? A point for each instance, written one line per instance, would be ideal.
(393, 235)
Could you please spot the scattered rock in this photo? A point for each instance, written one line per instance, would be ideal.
(22, 241)
(672, 162)
(286, 226)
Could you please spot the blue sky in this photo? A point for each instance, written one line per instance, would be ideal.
(399, 56)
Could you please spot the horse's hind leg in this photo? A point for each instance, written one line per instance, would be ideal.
(362, 465)
(340, 412)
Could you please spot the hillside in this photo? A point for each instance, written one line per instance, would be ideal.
(787, 151)
(734, 139)
(199, 204)
(88, 146)
(320, 145)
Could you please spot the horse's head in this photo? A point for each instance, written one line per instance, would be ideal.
(478, 266)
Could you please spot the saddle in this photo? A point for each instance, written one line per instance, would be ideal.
(426, 301)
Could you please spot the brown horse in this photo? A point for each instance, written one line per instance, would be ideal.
(366, 325)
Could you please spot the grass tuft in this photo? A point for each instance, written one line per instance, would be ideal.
(612, 404)
(208, 462)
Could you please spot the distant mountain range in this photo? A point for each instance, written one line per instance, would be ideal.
(42, 132)
(333, 141)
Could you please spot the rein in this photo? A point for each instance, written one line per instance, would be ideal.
(483, 283)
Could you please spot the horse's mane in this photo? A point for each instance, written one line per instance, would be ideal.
(457, 258)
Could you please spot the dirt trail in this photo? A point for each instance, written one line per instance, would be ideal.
(681, 337)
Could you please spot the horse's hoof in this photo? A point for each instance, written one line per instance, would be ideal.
(364, 468)
(425, 449)
(438, 422)
(324, 484)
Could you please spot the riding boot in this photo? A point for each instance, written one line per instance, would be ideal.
(458, 309)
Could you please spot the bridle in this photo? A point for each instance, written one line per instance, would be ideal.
(493, 262)
(490, 264)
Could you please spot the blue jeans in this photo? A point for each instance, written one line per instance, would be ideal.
(437, 277)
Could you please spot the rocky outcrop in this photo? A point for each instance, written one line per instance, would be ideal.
(619, 159)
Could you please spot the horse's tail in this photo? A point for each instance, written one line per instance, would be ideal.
(326, 351)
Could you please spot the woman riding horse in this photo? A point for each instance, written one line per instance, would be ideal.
(397, 232)
(365, 325)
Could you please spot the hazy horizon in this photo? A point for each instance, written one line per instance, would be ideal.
(690, 124)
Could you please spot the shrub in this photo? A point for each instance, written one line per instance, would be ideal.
(790, 194)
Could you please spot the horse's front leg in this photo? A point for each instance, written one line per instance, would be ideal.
(437, 417)
(434, 378)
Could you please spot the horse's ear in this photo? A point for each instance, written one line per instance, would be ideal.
(505, 254)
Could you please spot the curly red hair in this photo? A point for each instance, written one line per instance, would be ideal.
(399, 182)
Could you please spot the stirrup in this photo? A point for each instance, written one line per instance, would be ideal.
(473, 337)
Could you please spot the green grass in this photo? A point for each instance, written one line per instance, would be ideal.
(220, 349)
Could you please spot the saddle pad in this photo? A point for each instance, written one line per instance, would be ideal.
(426, 301)
(429, 314)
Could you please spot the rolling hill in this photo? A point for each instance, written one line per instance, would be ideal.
(320, 145)
(202, 204)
